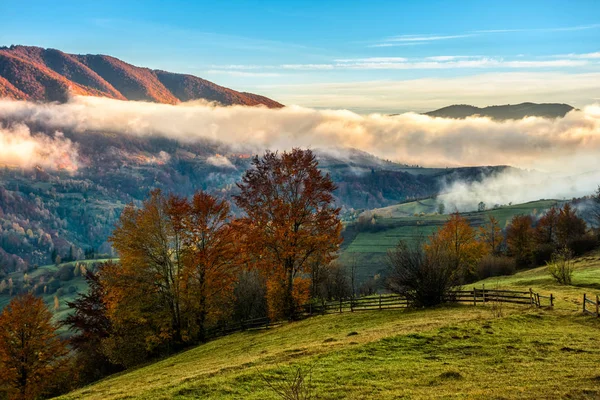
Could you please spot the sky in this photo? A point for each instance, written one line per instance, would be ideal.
(377, 56)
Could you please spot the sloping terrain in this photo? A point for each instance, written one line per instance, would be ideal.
(34, 73)
(368, 239)
(453, 352)
(504, 112)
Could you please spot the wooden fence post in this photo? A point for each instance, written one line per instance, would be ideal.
(584, 303)
(380, 302)
(352, 304)
(474, 296)
(483, 293)
(531, 296)
(551, 300)
(597, 306)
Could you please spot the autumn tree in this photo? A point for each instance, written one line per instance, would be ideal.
(546, 229)
(458, 240)
(289, 221)
(569, 226)
(176, 270)
(209, 255)
(144, 292)
(424, 277)
(491, 234)
(519, 239)
(32, 356)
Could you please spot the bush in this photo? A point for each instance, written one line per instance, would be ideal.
(582, 244)
(543, 253)
(53, 285)
(496, 266)
(561, 266)
(424, 278)
(65, 273)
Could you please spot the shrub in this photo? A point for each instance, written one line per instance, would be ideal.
(424, 278)
(496, 266)
(561, 266)
(65, 273)
(582, 244)
(543, 253)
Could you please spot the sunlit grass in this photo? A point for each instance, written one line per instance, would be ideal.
(450, 352)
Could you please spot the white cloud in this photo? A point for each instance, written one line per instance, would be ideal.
(567, 146)
(425, 38)
(243, 73)
(407, 137)
(426, 94)
(220, 161)
(372, 59)
(20, 148)
(308, 66)
(585, 56)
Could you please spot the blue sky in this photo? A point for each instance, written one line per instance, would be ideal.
(366, 56)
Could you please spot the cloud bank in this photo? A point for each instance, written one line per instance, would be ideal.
(568, 146)
(19, 148)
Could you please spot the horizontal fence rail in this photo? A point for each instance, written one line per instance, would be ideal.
(395, 302)
(590, 306)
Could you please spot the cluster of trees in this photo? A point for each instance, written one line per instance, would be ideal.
(534, 242)
(187, 264)
(428, 271)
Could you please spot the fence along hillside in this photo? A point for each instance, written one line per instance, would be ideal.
(590, 306)
(392, 302)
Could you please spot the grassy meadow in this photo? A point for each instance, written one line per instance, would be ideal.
(450, 352)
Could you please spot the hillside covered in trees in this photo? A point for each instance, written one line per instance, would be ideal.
(66, 212)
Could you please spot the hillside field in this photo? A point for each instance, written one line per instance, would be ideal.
(367, 249)
(70, 288)
(451, 352)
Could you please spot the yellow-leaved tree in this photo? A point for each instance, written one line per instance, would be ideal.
(459, 242)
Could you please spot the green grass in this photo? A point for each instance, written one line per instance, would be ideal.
(451, 352)
(78, 282)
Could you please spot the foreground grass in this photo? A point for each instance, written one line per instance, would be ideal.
(452, 352)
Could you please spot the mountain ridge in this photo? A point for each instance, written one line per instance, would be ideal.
(503, 112)
(39, 74)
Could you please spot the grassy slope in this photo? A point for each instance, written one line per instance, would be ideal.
(368, 249)
(78, 282)
(449, 352)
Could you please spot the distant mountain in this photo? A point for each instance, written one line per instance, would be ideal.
(505, 112)
(34, 73)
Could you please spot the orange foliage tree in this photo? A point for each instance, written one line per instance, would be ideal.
(290, 221)
(144, 290)
(176, 260)
(459, 242)
(32, 356)
(209, 255)
(545, 231)
(519, 238)
(569, 226)
(491, 234)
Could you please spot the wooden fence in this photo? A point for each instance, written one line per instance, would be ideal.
(391, 302)
(594, 306)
